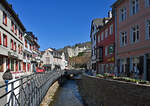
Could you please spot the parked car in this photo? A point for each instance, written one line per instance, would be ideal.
(40, 69)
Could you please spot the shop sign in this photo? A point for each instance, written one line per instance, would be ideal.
(112, 59)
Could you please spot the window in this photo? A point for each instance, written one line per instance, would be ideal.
(147, 3)
(26, 43)
(122, 14)
(134, 6)
(20, 35)
(106, 51)
(123, 38)
(106, 33)
(102, 36)
(12, 44)
(4, 18)
(12, 65)
(147, 29)
(134, 34)
(1, 64)
(111, 29)
(30, 46)
(0, 39)
(111, 49)
(98, 38)
(15, 29)
(4, 40)
(12, 26)
(18, 49)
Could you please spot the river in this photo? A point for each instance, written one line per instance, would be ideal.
(68, 95)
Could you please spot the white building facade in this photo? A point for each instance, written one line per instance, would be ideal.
(11, 39)
(53, 60)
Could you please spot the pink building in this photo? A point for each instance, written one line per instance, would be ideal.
(133, 37)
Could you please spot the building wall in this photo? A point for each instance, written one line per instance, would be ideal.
(103, 92)
(105, 43)
(139, 18)
(130, 54)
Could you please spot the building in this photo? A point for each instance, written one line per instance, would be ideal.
(33, 46)
(105, 56)
(11, 39)
(27, 53)
(96, 24)
(133, 37)
(53, 60)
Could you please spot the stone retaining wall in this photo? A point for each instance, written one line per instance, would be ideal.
(102, 92)
(50, 94)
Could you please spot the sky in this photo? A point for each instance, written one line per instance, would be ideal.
(58, 23)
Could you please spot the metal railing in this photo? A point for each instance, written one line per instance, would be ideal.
(29, 90)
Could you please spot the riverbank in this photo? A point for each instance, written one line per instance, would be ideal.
(107, 92)
(67, 95)
(49, 98)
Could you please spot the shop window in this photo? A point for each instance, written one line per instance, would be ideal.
(4, 18)
(4, 40)
(19, 66)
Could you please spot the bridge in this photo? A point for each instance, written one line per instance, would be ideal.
(30, 90)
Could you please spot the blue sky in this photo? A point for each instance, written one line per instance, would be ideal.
(58, 23)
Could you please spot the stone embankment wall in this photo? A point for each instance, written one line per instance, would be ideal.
(50, 94)
(102, 92)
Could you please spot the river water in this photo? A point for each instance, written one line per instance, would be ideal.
(68, 95)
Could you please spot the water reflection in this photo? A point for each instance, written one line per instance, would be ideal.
(68, 95)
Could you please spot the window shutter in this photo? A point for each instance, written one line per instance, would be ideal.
(131, 36)
(146, 30)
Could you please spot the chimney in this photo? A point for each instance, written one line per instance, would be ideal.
(110, 14)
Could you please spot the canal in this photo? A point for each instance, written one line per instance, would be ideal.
(68, 95)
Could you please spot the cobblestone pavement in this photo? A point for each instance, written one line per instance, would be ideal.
(68, 95)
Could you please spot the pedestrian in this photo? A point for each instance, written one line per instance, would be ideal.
(7, 76)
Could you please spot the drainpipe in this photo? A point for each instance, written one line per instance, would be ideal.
(116, 51)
